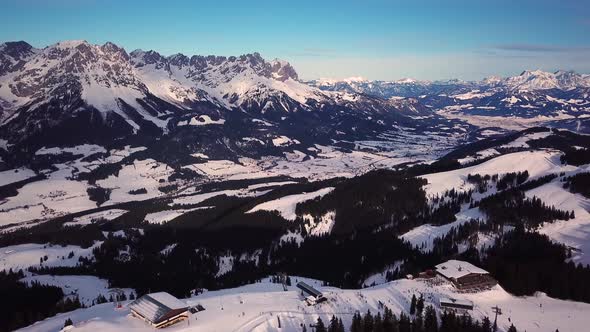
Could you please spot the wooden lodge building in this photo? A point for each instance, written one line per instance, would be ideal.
(159, 309)
(465, 276)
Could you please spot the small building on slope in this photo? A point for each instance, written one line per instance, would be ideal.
(159, 309)
(449, 304)
(465, 276)
(312, 295)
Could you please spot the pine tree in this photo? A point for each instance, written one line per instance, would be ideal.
(378, 324)
(333, 327)
(417, 324)
(413, 305)
(512, 328)
(430, 321)
(368, 322)
(389, 321)
(68, 322)
(320, 327)
(404, 323)
(356, 325)
(420, 305)
(304, 329)
(486, 324)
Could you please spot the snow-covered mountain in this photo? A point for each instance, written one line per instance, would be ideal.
(532, 98)
(76, 92)
(407, 87)
(541, 80)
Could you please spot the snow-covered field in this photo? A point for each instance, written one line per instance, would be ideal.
(537, 163)
(86, 288)
(286, 205)
(143, 174)
(61, 193)
(259, 307)
(15, 175)
(52, 197)
(102, 215)
(167, 215)
(23, 256)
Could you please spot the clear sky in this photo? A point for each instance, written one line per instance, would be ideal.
(432, 39)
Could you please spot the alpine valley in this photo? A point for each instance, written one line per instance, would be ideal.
(213, 178)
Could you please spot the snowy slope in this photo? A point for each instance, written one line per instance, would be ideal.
(86, 288)
(256, 307)
(23, 256)
(423, 236)
(286, 205)
(537, 163)
(574, 233)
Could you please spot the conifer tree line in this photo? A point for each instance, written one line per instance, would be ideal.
(22, 303)
(525, 262)
(579, 183)
(503, 182)
(512, 207)
(424, 319)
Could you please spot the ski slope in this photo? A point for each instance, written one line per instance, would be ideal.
(537, 163)
(574, 233)
(258, 307)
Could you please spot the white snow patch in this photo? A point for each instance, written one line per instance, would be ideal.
(23, 256)
(201, 120)
(84, 149)
(322, 226)
(283, 141)
(165, 216)
(286, 205)
(101, 215)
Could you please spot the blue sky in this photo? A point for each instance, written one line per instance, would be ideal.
(432, 39)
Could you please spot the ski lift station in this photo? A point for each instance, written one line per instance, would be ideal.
(449, 304)
(312, 295)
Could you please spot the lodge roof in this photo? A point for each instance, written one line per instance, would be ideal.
(155, 306)
(456, 269)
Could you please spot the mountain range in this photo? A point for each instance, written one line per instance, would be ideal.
(407, 87)
(74, 92)
(191, 174)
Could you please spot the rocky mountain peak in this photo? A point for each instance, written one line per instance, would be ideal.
(16, 49)
(282, 70)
